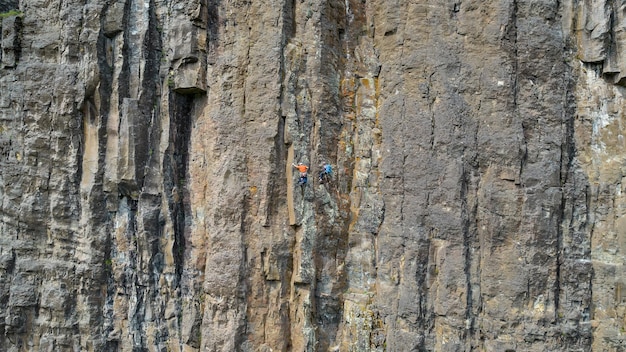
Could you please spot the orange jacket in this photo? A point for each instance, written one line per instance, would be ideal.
(302, 168)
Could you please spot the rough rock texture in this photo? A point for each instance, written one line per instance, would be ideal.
(148, 200)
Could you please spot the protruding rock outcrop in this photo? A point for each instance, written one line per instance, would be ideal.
(599, 30)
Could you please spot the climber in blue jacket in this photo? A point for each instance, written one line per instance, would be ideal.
(326, 172)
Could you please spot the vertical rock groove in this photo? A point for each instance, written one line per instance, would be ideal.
(176, 171)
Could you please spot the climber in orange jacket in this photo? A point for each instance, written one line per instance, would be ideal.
(303, 175)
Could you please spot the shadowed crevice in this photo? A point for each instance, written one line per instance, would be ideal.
(175, 172)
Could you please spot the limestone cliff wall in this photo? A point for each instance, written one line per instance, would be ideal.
(148, 200)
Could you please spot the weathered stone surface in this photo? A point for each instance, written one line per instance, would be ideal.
(148, 199)
(8, 5)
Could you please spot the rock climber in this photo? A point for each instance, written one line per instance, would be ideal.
(325, 174)
(303, 175)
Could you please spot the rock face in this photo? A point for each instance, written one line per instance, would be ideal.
(148, 200)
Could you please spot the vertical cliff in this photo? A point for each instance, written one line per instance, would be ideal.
(148, 200)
